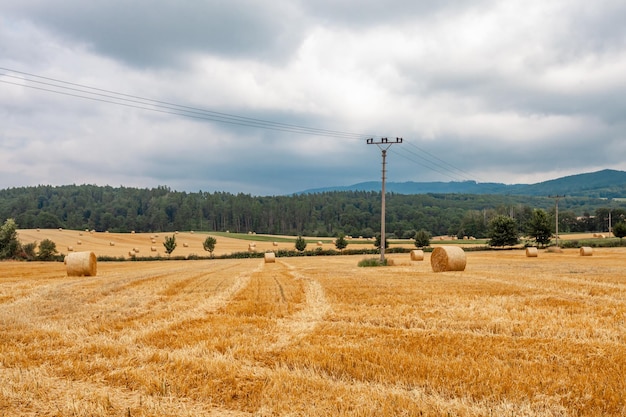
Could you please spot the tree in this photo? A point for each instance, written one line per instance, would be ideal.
(341, 243)
(377, 242)
(422, 238)
(539, 227)
(503, 231)
(619, 229)
(9, 244)
(170, 244)
(209, 244)
(300, 244)
(47, 250)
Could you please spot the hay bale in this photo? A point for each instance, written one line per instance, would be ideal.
(153, 248)
(417, 255)
(320, 243)
(586, 251)
(70, 249)
(185, 245)
(274, 243)
(111, 243)
(81, 264)
(448, 258)
(79, 242)
(390, 262)
(270, 257)
(136, 250)
(531, 252)
(153, 240)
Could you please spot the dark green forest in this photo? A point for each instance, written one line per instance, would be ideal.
(356, 213)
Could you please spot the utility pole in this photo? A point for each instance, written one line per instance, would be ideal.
(556, 212)
(383, 145)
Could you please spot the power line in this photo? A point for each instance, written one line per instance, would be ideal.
(127, 100)
(76, 90)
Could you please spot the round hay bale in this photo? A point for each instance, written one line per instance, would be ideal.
(320, 243)
(185, 245)
(448, 258)
(136, 250)
(153, 240)
(153, 248)
(111, 243)
(270, 257)
(274, 243)
(531, 252)
(81, 264)
(78, 242)
(70, 249)
(417, 255)
(586, 251)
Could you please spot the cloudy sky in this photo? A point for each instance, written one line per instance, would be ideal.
(273, 97)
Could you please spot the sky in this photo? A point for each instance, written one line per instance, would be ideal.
(275, 97)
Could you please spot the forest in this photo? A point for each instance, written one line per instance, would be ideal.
(356, 213)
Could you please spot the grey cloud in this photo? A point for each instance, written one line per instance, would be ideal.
(160, 34)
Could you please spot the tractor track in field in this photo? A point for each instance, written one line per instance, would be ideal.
(298, 325)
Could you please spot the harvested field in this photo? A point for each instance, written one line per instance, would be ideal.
(317, 336)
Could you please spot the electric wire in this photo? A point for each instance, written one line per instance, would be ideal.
(113, 97)
(66, 88)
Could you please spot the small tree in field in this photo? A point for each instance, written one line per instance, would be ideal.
(170, 244)
(377, 242)
(341, 243)
(9, 244)
(539, 227)
(47, 250)
(209, 244)
(422, 238)
(300, 244)
(503, 231)
(619, 229)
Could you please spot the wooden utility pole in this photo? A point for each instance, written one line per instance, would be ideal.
(556, 213)
(383, 145)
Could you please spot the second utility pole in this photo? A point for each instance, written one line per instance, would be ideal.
(384, 144)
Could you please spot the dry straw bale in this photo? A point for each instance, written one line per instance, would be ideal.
(78, 242)
(70, 249)
(586, 251)
(81, 264)
(274, 243)
(111, 243)
(320, 243)
(531, 252)
(153, 248)
(448, 258)
(185, 244)
(270, 257)
(417, 255)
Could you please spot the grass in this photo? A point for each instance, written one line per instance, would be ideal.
(317, 336)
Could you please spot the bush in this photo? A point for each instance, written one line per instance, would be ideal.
(369, 262)
(422, 238)
(47, 250)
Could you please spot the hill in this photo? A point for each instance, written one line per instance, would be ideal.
(601, 184)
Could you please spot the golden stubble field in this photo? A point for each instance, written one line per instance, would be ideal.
(317, 336)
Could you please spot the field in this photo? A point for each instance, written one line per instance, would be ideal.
(316, 336)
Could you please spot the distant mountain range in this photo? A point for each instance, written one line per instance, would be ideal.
(607, 183)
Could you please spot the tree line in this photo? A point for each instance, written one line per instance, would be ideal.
(355, 213)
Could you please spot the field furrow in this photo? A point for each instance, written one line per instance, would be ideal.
(317, 336)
